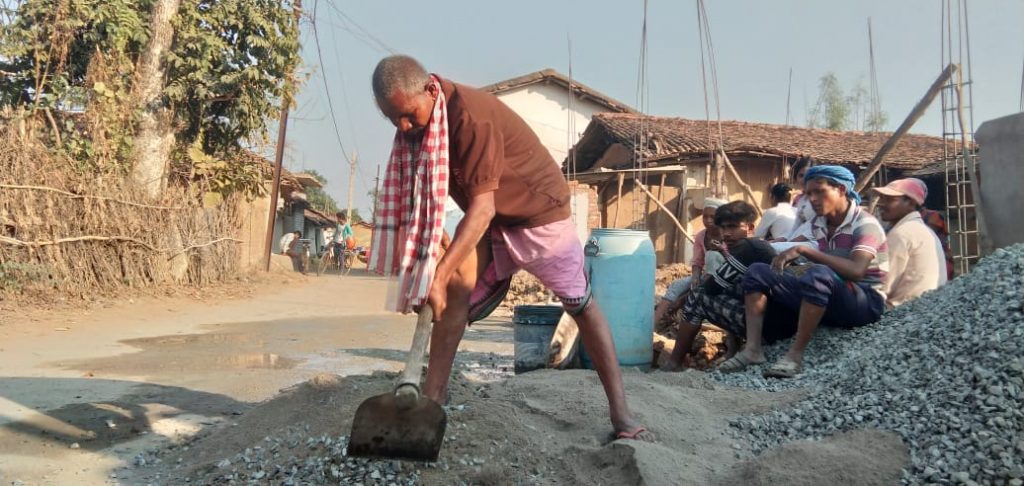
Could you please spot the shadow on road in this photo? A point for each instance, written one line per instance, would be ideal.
(99, 424)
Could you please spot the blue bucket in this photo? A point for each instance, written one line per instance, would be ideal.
(620, 264)
(534, 326)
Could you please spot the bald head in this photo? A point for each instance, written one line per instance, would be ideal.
(398, 74)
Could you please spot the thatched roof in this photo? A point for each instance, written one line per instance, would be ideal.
(671, 139)
(555, 77)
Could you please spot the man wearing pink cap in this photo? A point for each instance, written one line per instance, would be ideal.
(916, 261)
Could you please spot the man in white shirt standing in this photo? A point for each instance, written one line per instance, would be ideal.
(916, 261)
(778, 221)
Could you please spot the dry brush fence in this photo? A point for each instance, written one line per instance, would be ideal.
(75, 233)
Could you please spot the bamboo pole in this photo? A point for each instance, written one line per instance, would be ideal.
(664, 208)
(915, 114)
(739, 180)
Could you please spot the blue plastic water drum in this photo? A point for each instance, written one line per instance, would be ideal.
(534, 326)
(621, 266)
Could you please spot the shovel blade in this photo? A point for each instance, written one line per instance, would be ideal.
(382, 429)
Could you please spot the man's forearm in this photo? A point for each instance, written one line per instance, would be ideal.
(846, 268)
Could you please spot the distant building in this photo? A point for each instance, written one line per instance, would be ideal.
(680, 171)
(543, 100)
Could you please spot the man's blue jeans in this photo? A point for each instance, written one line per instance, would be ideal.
(847, 304)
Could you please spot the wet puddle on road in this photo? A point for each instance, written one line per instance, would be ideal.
(354, 344)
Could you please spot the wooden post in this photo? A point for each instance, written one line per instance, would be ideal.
(282, 130)
(665, 209)
(667, 234)
(746, 188)
(915, 114)
(716, 175)
(618, 200)
(676, 240)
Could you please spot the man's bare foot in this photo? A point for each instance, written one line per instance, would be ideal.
(670, 365)
(632, 430)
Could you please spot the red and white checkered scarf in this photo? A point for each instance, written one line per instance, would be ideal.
(410, 215)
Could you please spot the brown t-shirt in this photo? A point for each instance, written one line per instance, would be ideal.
(492, 149)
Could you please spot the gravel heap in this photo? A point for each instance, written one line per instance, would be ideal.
(298, 458)
(945, 372)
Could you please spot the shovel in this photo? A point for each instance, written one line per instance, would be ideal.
(402, 424)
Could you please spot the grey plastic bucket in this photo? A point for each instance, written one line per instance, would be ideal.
(534, 326)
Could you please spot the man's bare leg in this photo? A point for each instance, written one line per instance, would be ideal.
(597, 339)
(686, 333)
(447, 334)
(807, 323)
(756, 306)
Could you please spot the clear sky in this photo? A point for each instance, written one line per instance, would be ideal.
(756, 43)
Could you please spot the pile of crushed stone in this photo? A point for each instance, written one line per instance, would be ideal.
(542, 427)
(944, 372)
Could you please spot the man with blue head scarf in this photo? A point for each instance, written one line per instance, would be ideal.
(842, 284)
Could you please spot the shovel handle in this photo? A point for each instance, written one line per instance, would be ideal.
(408, 391)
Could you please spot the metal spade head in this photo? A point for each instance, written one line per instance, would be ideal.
(381, 428)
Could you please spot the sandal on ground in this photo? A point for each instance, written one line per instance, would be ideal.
(783, 368)
(738, 362)
(639, 434)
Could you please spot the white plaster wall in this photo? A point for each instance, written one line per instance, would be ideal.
(545, 107)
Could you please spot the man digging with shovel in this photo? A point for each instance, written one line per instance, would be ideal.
(457, 140)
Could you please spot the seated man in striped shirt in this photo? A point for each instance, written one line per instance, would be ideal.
(842, 285)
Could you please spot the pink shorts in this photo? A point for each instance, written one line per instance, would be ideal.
(551, 252)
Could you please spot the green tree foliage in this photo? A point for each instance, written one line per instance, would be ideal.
(876, 122)
(318, 198)
(228, 66)
(835, 110)
(832, 110)
(74, 61)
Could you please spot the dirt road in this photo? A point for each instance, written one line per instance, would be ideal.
(82, 392)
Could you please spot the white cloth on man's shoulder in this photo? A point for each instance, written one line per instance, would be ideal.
(804, 215)
(777, 222)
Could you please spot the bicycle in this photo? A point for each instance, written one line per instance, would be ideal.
(330, 260)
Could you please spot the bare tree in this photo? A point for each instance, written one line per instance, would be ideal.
(155, 137)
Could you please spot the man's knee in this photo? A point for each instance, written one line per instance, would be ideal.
(759, 278)
(817, 285)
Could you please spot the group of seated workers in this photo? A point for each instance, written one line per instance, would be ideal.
(827, 261)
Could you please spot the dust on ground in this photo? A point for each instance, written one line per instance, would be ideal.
(542, 427)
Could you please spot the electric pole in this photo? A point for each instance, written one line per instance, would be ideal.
(376, 195)
(351, 185)
(282, 129)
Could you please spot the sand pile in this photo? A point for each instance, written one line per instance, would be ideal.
(526, 289)
(667, 274)
(543, 427)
